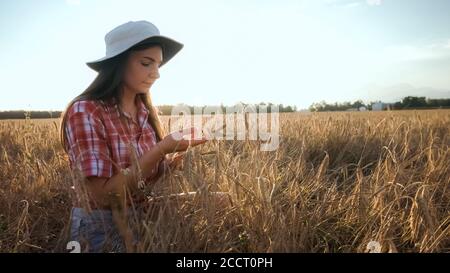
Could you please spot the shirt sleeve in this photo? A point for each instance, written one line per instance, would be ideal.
(86, 136)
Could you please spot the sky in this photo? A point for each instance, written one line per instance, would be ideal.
(284, 51)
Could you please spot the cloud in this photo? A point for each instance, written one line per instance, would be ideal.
(441, 45)
(404, 53)
(398, 91)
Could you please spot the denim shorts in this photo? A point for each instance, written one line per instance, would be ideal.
(95, 231)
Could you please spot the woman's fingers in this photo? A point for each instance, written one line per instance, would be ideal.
(176, 161)
(191, 133)
(195, 142)
(193, 136)
(176, 157)
(177, 154)
(183, 139)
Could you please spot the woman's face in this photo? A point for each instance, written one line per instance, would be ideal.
(142, 69)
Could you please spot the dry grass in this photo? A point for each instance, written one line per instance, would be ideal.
(337, 182)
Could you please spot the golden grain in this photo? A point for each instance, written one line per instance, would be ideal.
(336, 182)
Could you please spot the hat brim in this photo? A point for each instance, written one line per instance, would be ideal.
(169, 46)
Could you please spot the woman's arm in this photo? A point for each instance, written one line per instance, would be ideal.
(104, 190)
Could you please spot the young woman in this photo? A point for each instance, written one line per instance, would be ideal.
(113, 122)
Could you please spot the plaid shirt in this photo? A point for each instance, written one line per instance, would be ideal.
(97, 138)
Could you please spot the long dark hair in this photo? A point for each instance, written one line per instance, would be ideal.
(107, 87)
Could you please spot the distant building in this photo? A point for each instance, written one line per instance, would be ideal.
(378, 106)
(362, 108)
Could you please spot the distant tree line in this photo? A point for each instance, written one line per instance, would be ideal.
(163, 109)
(325, 107)
(421, 103)
(21, 114)
(409, 102)
(167, 109)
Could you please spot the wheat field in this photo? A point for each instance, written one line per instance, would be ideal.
(337, 182)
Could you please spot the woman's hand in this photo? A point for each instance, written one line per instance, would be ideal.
(176, 160)
(180, 141)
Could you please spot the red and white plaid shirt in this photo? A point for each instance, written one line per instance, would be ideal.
(97, 138)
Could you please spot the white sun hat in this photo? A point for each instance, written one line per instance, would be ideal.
(127, 35)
